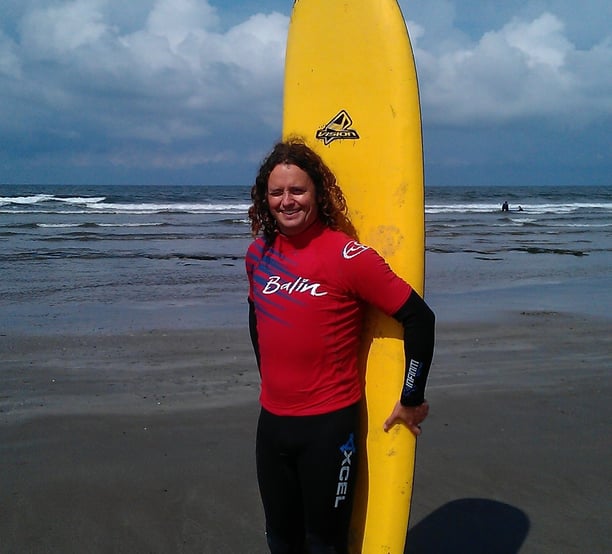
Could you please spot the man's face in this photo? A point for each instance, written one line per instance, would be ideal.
(292, 199)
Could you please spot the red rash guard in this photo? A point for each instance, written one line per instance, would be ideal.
(309, 292)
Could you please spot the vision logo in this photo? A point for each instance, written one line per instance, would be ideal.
(338, 128)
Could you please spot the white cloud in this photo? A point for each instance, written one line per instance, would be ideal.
(10, 64)
(168, 80)
(176, 20)
(56, 30)
(258, 44)
(528, 68)
(541, 41)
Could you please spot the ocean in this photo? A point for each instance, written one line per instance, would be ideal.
(104, 259)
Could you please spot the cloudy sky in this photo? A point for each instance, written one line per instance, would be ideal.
(190, 91)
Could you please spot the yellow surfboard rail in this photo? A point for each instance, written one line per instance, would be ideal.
(351, 93)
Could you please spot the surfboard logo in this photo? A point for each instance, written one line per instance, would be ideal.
(338, 128)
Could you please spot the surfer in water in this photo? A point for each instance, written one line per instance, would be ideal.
(309, 281)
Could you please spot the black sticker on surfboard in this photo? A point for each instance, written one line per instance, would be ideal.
(338, 128)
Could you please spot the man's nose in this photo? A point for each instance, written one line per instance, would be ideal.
(287, 197)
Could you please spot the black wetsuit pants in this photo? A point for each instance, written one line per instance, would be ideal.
(306, 468)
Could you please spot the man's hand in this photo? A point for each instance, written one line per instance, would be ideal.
(410, 416)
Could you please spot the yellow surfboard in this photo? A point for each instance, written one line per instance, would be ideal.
(351, 93)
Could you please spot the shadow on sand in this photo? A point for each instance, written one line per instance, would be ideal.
(469, 526)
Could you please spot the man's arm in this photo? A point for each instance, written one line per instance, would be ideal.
(419, 334)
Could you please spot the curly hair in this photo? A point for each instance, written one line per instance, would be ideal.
(332, 208)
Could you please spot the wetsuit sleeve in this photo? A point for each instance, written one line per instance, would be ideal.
(419, 333)
(253, 331)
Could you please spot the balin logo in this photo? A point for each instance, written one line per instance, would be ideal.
(338, 128)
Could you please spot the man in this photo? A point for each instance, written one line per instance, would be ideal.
(309, 282)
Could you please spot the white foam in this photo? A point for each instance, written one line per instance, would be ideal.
(190, 208)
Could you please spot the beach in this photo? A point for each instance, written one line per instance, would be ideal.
(129, 390)
(143, 441)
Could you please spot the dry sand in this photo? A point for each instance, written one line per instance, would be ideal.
(144, 443)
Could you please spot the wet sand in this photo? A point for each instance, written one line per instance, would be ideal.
(143, 442)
